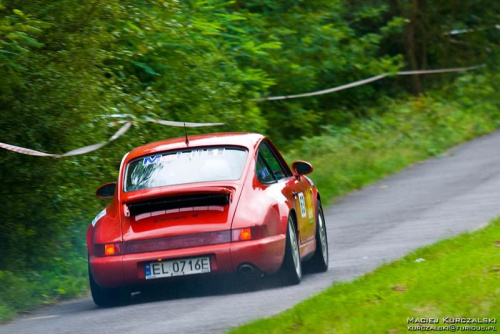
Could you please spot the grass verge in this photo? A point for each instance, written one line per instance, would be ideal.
(395, 135)
(59, 278)
(459, 278)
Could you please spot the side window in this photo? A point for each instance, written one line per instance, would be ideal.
(268, 167)
(263, 173)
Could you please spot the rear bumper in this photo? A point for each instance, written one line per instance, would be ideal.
(266, 254)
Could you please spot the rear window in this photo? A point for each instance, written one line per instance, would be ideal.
(185, 166)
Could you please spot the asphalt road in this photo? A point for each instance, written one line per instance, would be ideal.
(458, 191)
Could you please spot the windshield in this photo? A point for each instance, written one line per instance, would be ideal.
(185, 166)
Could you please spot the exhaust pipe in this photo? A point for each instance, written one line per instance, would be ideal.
(247, 269)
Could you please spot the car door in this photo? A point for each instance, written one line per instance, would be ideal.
(270, 170)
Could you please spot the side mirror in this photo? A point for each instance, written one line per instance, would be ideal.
(107, 190)
(301, 168)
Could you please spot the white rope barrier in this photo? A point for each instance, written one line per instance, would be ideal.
(124, 128)
(78, 151)
(366, 81)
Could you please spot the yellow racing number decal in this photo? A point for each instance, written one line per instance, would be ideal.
(309, 206)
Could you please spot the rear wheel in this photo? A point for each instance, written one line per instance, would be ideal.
(291, 269)
(107, 297)
(319, 262)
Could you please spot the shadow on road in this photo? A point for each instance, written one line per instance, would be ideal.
(202, 286)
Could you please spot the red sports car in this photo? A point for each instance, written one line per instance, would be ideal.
(218, 203)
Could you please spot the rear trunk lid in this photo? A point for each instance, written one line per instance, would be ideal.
(178, 216)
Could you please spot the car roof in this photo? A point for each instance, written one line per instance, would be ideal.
(244, 139)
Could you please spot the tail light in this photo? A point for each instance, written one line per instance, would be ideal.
(111, 249)
(249, 233)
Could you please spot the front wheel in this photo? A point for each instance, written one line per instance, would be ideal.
(107, 297)
(319, 262)
(291, 269)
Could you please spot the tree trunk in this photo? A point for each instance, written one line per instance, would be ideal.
(410, 47)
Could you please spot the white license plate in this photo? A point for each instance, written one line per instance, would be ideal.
(180, 267)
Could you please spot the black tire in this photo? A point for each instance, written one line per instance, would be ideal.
(319, 261)
(291, 269)
(104, 297)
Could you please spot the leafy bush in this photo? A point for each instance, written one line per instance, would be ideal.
(399, 133)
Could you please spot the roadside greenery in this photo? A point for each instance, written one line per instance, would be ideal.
(457, 277)
(399, 133)
(64, 64)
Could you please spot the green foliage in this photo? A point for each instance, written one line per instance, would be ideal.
(179, 56)
(61, 277)
(400, 133)
(459, 278)
(321, 47)
(443, 34)
(55, 87)
(17, 38)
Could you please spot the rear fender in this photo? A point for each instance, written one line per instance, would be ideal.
(90, 248)
(105, 228)
(258, 207)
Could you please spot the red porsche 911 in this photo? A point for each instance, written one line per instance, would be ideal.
(218, 203)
